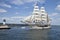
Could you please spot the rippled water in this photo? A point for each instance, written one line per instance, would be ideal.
(16, 33)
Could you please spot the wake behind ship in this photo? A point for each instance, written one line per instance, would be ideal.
(38, 19)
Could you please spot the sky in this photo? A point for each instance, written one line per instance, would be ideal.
(15, 10)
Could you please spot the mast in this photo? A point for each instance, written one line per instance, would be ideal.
(48, 20)
(36, 12)
(43, 15)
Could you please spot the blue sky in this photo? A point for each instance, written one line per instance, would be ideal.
(15, 10)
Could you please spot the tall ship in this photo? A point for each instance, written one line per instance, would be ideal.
(38, 19)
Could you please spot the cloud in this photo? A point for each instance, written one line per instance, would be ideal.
(10, 20)
(17, 13)
(16, 8)
(56, 21)
(53, 14)
(5, 5)
(58, 7)
(2, 10)
(26, 7)
(55, 18)
(19, 2)
(41, 1)
(18, 17)
(14, 19)
(7, 18)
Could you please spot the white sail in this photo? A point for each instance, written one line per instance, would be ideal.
(38, 17)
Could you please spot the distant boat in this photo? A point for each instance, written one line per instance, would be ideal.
(23, 27)
(39, 18)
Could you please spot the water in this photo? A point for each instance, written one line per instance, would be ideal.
(16, 33)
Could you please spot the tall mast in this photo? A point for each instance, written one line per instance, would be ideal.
(35, 12)
(36, 9)
(44, 15)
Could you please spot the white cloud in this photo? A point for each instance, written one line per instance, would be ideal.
(18, 2)
(55, 18)
(5, 5)
(58, 7)
(14, 19)
(7, 18)
(53, 14)
(16, 8)
(17, 13)
(10, 20)
(26, 7)
(56, 21)
(2, 10)
(18, 17)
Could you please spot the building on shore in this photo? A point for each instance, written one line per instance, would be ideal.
(4, 26)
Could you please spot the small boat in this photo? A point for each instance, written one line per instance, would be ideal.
(23, 27)
(4, 27)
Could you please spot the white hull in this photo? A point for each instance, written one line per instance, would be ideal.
(35, 27)
(4, 27)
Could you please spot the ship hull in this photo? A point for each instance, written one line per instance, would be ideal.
(40, 26)
(36, 27)
(4, 27)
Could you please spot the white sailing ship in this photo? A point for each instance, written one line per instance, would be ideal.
(39, 18)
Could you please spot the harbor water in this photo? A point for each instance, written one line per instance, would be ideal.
(18, 33)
